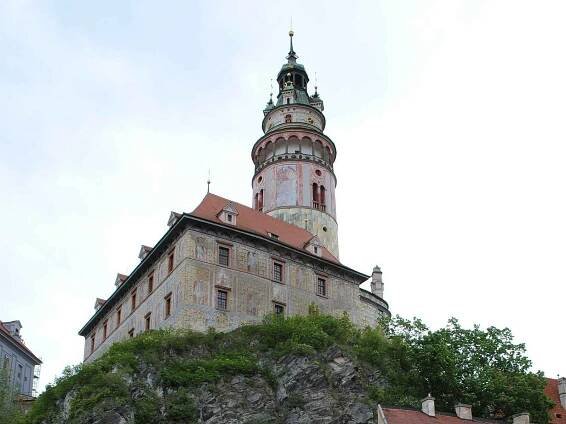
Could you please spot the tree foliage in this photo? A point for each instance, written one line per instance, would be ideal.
(9, 411)
(484, 368)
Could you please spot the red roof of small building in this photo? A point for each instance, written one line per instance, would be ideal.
(558, 413)
(411, 416)
(249, 219)
(19, 343)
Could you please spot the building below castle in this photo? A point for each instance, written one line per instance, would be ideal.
(555, 390)
(21, 365)
(226, 264)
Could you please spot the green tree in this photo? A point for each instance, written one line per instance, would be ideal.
(9, 411)
(484, 368)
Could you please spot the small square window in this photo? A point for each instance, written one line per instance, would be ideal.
(279, 309)
(168, 305)
(222, 300)
(278, 272)
(223, 256)
(321, 287)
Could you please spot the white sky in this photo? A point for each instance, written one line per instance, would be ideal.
(448, 117)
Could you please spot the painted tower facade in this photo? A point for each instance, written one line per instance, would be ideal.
(294, 177)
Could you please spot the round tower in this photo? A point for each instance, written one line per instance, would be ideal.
(294, 178)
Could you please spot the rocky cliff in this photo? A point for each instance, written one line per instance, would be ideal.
(266, 374)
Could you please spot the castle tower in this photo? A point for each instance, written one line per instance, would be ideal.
(294, 178)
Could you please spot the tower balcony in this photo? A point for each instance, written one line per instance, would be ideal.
(293, 156)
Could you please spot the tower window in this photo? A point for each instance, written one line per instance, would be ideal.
(322, 198)
(288, 102)
(223, 255)
(315, 202)
(321, 287)
(288, 118)
(222, 300)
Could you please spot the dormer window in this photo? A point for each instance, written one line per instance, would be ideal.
(228, 214)
(314, 246)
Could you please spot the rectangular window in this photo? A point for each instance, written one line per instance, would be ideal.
(118, 316)
(223, 256)
(279, 309)
(229, 216)
(321, 287)
(134, 299)
(92, 339)
(170, 261)
(147, 321)
(222, 300)
(105, 329)
(168, 305)
(150, 283)
(278, 272)
(131, 333)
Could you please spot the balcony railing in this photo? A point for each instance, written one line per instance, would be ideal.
(293, 156)
(317, 205)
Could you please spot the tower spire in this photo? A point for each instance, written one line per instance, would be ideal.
(292, 57)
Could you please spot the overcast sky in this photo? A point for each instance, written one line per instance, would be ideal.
(448, 117)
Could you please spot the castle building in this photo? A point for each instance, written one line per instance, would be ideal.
(226, 264)
(21, 365)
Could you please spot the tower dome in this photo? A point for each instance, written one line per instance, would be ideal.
(294, 177)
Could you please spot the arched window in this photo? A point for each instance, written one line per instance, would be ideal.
(260, 201)
(256, 201)
(322, 198)
(288, 118)
(315, 202)
(327, 154)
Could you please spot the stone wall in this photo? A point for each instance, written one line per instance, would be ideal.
(252, 292)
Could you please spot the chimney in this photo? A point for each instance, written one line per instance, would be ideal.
(522, 418)
(463, 411)
(377, 282)
(562, 391)
(428, 406)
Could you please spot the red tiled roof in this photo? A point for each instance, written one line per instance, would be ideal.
(19, 343)
(408, 416)
(249, 219)
(551, 390)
